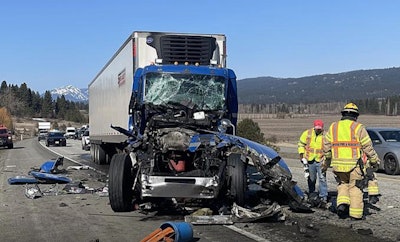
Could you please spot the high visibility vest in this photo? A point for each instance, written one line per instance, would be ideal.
(346, 144)
(310, 144)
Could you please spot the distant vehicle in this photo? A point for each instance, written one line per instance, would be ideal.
(79, 132)
(42, 135)
(56, 138)
(386, 142)
(85, 140)
(70, 132)
(44, 125)
(5, 137)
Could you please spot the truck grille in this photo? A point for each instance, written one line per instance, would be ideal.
(184, 48)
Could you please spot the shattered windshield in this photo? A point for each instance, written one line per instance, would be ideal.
(203, 92)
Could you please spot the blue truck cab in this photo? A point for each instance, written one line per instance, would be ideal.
(197, 96)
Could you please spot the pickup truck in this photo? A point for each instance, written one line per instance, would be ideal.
(6, 137)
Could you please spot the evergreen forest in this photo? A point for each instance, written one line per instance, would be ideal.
(22, 102)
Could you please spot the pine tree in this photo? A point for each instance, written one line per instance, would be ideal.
(47, 105)
(249, 129)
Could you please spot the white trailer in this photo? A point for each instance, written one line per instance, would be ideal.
(111, 90)
(44, 126)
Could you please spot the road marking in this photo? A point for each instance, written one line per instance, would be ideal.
(247, 234)
(72, 160)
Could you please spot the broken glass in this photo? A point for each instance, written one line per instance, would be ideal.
(204, 92)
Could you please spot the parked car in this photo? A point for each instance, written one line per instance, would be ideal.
(56, 138)
(386, 142)
(85, 140)
(42, 135)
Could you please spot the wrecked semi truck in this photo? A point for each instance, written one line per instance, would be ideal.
(166, 60)
(163, 113)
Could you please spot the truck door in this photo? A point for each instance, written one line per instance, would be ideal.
(136, 115)
(232, 97)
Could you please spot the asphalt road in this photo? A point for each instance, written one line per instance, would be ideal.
(88, 217)
(76, 217)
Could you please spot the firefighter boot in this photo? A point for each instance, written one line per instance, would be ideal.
(343, 211)
(373, 199)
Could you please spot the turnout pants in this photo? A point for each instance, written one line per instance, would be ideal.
(373, 188)
(348, 193)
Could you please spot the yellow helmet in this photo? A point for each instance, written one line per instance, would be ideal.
(350, 108)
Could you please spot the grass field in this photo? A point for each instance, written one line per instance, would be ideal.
(288, 130)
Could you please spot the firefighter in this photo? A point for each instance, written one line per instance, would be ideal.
(310, 151)
(343, 144)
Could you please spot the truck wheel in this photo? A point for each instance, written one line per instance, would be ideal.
(121, 183)
(10, 146)
(391, 164)
(95, 153)
(92, 152)
(237, 178)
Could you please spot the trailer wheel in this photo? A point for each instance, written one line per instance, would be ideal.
(95, 154)
(237, 178)
(121, 183)
(92, 152)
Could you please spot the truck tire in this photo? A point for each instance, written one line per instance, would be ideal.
(121, 183)
(92, 152)
(237, 180)
(95, 154)
(99, 155)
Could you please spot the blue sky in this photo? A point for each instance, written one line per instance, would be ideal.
(53, 43)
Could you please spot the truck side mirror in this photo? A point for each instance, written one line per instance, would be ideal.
(224, 125)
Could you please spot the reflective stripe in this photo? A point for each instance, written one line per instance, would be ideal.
(308, 142)
(347, 144)
(334, 139)
(353, 128)
(343, 200)
(373, 190)
(356, 212)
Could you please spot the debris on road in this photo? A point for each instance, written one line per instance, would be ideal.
(209, 219)
(78, 168)
(171, 231)
(49, 174)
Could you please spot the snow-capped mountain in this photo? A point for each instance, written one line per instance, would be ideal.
(71, 93)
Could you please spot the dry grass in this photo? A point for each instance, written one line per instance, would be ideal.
(288, 130)
(27, 128)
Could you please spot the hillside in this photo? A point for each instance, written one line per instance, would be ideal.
(360, 84)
